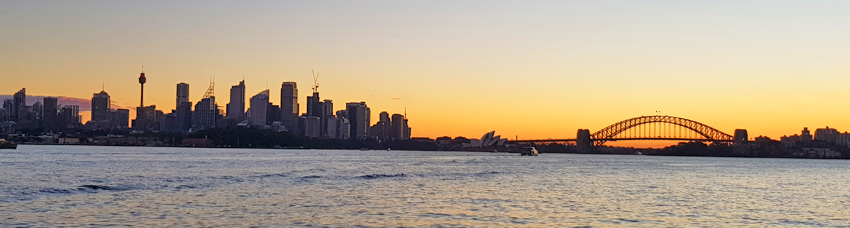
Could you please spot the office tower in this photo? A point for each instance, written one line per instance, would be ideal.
(142, 81)
(100, 107)
(381, 129)
(204, 116)
(69, 116)
(236, 107)
(397, 131)
(310, 126)
(146, 119)
(182, 94)
(19, 104)
(314, 105)
(259, 109)
(50, 114)
(344, 131)
(183, 111)
(326, 113)
(272, 114)
(289, 106)
(358, 117)
(206, 112)
(121, 118)
(36, 111)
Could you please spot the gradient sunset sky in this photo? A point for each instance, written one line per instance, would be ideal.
(532, 69)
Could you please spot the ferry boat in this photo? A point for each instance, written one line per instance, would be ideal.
(528, 151)
(7, 145)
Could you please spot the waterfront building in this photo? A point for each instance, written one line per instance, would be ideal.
(289, 106)
(359, 118)
(236, 107)
(487, 140)
(258, 113)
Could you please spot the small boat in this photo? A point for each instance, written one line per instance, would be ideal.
(528, 151)
(7, 145)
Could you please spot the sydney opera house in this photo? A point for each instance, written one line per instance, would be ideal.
(487, 140)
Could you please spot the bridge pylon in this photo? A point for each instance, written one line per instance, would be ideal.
(583, 142)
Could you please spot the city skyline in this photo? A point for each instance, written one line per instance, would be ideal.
(769, 68)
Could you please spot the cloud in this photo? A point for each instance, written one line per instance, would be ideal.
(396, 99)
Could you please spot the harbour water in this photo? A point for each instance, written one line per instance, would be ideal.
(145, 186)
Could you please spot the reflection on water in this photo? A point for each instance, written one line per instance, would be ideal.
(101, 186)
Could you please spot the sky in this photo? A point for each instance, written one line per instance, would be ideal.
(526, 69)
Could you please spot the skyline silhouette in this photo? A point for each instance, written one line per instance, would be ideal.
(533, 70)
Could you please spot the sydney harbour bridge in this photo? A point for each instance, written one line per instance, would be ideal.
(649, 128)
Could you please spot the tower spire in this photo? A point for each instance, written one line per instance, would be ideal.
(142, 81)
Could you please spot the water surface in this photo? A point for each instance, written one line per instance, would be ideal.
(106, 186)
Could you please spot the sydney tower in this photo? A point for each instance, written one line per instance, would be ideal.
(142, 81)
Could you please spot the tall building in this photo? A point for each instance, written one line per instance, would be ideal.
(100, 107)
(289, 106)
(236, 107)
(182, 94)
(146, 119)
(205, 114)
(258, 113)
(69, 116)
(310, 126)
(327, 115)
(19, 106)
(358, 117)
(314, 105)
(51, 113)
(273, 115)
(182, 118)
(121, 118)
(381, 129)
(398, 127)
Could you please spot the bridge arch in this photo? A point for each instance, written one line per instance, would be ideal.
(703, 131)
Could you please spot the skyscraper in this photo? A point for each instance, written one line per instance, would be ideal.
(183, 110)
(19, 106)
(51, 112)
(100, 107)
(182, 94)
(258, 112)
(398, 127)
(236, 107)
(289, 106)
(358, 117)
(327, 115)
(204, 116)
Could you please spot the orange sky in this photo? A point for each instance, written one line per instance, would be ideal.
(532, 70)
